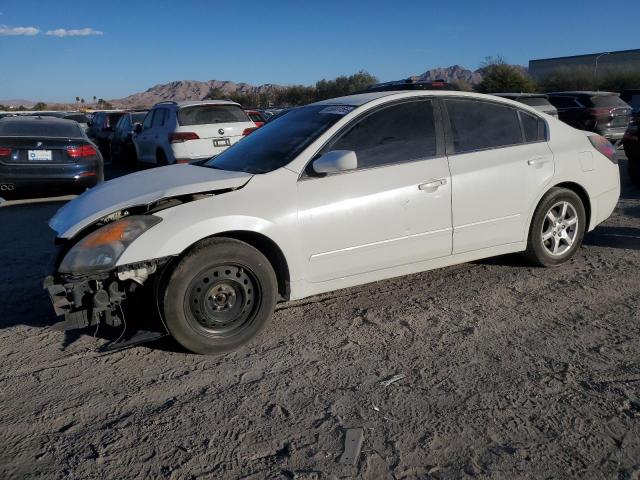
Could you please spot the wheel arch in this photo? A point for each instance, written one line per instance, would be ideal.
(584, 196)
(265, 245)
(575, 188)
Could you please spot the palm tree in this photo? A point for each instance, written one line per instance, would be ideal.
(94, 99)
(77, 99)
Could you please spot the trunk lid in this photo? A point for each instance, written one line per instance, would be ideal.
(21, 147)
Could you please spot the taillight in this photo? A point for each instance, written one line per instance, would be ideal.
(5, 152)
(179, 137)
(247, 131)
(82, 151)
(603, 146)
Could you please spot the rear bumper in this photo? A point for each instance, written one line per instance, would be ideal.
(28, 177)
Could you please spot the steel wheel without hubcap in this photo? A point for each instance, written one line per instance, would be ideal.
(559, 228)
(222, 301)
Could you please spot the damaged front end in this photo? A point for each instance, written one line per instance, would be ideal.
(109, 299)
(88, 289)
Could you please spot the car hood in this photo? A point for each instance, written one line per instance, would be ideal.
(140, 189)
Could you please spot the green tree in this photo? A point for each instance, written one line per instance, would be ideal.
(499, 76)
(39, 106)
(344, 85)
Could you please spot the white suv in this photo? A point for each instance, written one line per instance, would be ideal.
(184, 132)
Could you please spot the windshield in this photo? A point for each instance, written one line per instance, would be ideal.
(278, 142)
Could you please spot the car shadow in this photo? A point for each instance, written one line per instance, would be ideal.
(626, 238)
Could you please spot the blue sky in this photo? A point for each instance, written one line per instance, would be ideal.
(115, 48)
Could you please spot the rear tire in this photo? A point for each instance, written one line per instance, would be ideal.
(220, 296)
(557, 228)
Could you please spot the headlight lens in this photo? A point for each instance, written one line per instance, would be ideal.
(101, 249)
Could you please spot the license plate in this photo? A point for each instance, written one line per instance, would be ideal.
(221, 142)
(40, 155)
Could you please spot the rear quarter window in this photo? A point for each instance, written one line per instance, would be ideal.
(533, 128)
(207, 114)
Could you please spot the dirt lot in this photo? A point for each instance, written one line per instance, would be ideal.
(511, 372)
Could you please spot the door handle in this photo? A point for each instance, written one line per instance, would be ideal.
(537, 161)
(432, 185)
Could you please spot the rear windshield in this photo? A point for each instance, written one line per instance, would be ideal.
(535, 101)
(607, 101)
(205, 114)
(39, 128)
(256, 117)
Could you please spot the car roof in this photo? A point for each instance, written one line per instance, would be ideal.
(521, 95)
(362, 98)
(579, 93)
(193, 103)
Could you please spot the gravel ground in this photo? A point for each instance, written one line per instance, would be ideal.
(510, 372)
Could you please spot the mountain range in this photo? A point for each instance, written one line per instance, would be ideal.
(197, 90)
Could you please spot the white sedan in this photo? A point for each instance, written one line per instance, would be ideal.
(330, 195)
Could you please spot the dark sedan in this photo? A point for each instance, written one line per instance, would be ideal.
(42, 153)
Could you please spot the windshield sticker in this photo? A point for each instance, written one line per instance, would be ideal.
(337, 109)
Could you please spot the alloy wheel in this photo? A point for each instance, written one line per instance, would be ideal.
(559, 228)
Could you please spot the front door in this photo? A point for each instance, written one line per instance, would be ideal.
(394, 209)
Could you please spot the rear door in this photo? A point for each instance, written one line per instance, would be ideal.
(500, 162)
(394, 209)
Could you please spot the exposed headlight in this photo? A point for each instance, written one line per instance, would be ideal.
(100, 250)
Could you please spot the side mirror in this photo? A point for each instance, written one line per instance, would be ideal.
(137, 128)
(336, 161)
(90, 123)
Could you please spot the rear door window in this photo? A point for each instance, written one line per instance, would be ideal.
(395, 134)
(477, 125)
(207, 114)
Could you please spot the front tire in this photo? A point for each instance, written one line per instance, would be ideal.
(220, 296)
(557, 228)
